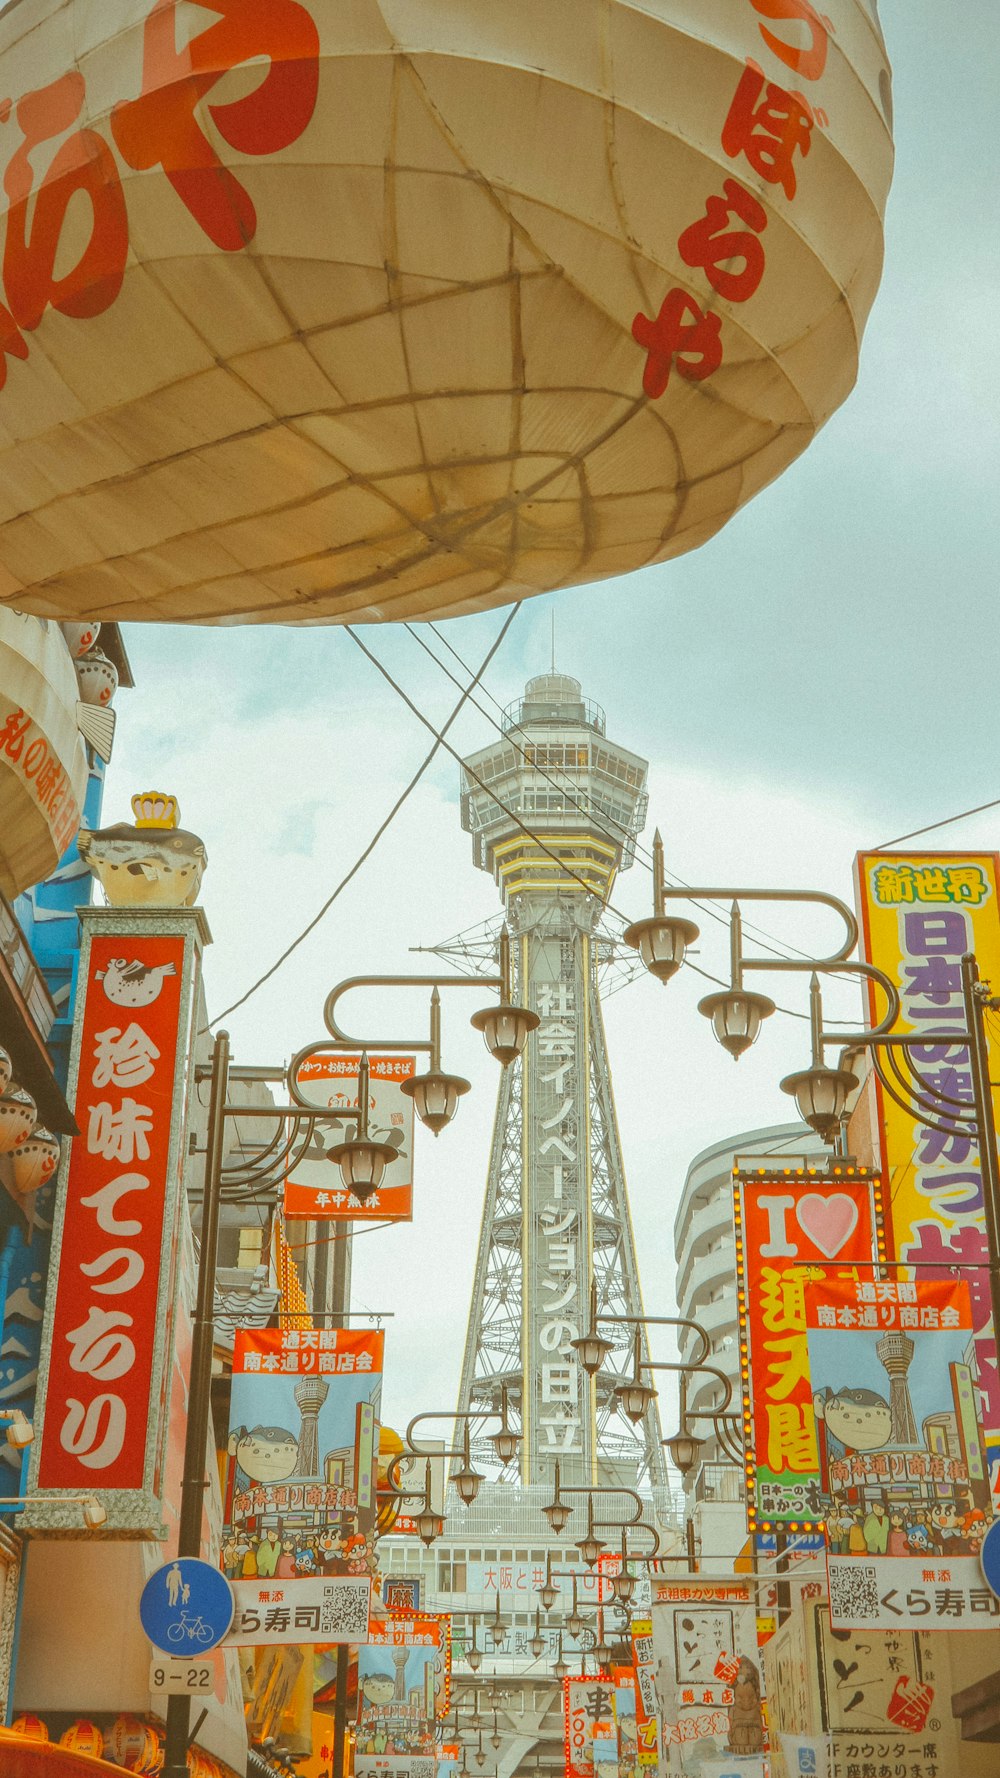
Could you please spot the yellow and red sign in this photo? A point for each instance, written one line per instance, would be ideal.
(793, 1228)
(921, 912)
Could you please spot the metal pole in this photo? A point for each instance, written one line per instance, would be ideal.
(175, 1764)
(982, 1093)
(340, 1306)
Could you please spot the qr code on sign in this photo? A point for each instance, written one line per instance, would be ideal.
(344, 1611)
(853, 1593)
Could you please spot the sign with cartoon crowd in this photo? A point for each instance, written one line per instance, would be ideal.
(402, 1687)
(707, 1677)
(903, 1478)
(299, 1499)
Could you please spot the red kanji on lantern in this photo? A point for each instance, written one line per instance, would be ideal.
(160, 128)
(682, 332)
(712, 244)
(809, 59)
(769, 126)
(83, 163)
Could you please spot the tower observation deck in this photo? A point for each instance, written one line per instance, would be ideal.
(556, 1216)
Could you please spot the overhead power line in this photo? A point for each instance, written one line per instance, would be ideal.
(934, 825)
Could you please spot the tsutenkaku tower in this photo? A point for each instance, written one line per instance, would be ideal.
(556, 1216)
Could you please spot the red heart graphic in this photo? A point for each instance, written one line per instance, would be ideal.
(828, 1220)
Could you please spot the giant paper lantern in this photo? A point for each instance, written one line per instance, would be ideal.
(392, 308)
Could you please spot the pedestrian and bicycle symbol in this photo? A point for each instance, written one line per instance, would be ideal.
(186, 1606)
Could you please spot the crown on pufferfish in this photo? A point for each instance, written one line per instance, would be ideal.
(155, 808)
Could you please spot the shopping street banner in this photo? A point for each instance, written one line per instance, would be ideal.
(707, 1677)
(903, 1483)
(300, 1474)
(920, 913)
(794, 1230)
(314, 1191)
(418, 1629)
(313, 1609)
(402, 1673)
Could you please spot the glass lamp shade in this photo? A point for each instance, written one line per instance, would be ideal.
(435, 1097)
(466, 1481)
(589, 1548)
(505, 1029)
(560, 1668)
(623, 1586)
(20, 1432)
(684, 1450)
(362, 1164)
(94, 1515)
(505, 1444)
(602, 1654)
(480, 1757)
(429, 1526)
(475, 1659)
(634, 1397)
(661, 943)
(821, 1095)
(736, 1016)
(537, 1646)
(576, 1625)
(592, 1349)
(548, 1594)
(557, 1513)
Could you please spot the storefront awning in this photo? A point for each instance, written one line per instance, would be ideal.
(35, 1759)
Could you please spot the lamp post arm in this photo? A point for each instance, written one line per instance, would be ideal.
(809, 895)
(445, 1414)
(662, 1321)
(581, 1488)
(343, 1040)
(688, 1370)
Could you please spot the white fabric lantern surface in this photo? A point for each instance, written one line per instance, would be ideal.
(404, 308)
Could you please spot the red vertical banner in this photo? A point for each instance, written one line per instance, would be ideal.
(108, 1319)
(794, 1229)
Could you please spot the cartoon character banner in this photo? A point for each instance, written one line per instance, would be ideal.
(708, 1684)
(329, 1080)
(793, 1229)
(920, 913)
(903, 1481)
(401, 1673)
(300, 1475)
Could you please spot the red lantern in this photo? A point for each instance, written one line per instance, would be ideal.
(126, 1742)
(84, 1737)
(31, 1727)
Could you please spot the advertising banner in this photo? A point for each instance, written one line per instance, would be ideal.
(300, 1610)
(588, 1725)
(107, 1337)
(402, 1672)
(707, 1678)
(920, 913)
(300, 1473)
(903, 1483)
(793, 1229)
(314, 1191)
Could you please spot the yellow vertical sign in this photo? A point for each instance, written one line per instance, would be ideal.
(921, 912)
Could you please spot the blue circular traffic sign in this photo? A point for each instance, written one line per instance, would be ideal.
(989, 1556)
(186, 1606)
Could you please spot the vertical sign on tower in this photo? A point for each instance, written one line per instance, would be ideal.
(108, 1328)
(920, 914)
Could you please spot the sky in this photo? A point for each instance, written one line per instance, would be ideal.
(818, 678)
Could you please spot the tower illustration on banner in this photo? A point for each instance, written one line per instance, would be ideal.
(556, 1213)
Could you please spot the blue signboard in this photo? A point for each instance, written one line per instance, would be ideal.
(186, 1606)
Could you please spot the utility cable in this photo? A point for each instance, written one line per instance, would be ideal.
(382, 828)
(947, 822)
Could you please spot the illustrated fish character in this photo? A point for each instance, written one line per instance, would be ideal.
(133, 984)
(144, 866)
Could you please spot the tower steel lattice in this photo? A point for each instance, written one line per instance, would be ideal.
(556, 1217)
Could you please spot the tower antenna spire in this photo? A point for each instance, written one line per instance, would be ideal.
(553, 616)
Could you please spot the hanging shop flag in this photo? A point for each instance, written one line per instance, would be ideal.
(708, 1683)
(300, 1475)
(401, 1672)
(314, 1191)
(108, 1334)
(418, 1629)
(903, 1484)
(588, 1724)
(793, 1228)
(920, 913)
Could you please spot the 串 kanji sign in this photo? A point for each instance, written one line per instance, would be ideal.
(111, 1291)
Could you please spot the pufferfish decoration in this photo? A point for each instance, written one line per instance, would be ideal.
(153, 864)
